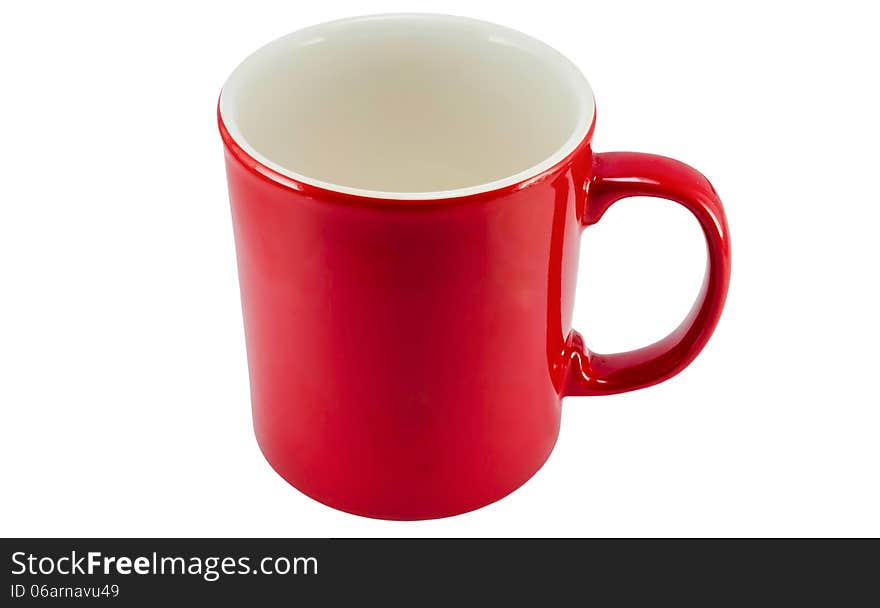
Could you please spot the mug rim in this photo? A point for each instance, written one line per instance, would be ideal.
(581, 134)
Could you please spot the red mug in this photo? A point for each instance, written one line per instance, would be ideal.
(408, 195)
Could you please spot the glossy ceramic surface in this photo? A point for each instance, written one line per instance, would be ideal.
(408, 358)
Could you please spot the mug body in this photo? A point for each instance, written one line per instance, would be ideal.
(406, 263)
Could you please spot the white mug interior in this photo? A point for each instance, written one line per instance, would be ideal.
(407, 106)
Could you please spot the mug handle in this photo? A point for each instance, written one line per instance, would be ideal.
(618, 175)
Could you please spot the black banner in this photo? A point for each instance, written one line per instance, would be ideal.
(128, 572)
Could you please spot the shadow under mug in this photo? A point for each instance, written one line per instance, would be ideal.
(408, 195)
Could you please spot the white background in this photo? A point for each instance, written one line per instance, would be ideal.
(123, 383)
